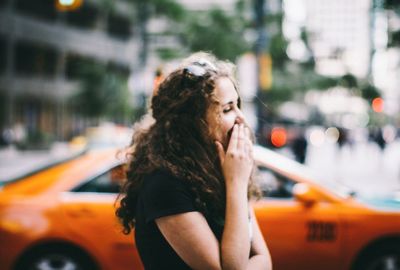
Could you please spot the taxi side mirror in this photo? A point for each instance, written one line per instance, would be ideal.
(305, 194)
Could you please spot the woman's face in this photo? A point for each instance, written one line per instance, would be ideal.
(222, 117)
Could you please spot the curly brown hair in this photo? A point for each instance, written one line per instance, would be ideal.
(177, 139)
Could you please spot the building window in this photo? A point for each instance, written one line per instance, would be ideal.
(3, 54)
(42, 9)
(2, 3)
(84, 17)
(77, 66)
(118, 26)
(34, 59)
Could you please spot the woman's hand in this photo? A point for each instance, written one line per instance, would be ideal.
(237, 162)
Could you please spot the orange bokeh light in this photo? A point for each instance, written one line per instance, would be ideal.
(68, 5)
(278, 137)
(377, 104)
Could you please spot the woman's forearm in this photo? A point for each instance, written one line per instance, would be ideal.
(235, 244)
(259, 262)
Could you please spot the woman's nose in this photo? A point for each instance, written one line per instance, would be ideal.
(239, 117)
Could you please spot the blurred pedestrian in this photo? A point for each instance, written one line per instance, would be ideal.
(190, 174)
(376, 135)
(342, 137)
(299, 146)
(158, 78)
(281, 190)
(7, 137)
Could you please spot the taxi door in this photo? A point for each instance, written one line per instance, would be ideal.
(300, 236)
(90, 213)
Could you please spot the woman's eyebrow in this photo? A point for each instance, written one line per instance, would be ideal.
(230, 102)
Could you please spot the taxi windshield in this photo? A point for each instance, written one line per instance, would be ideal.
(320, 178)
(294, 171)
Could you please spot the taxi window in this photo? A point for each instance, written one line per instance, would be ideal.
(274, 185)
(108, 182)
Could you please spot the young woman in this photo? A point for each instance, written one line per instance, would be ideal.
(190, 175)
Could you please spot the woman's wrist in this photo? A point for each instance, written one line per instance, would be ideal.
(236, 186)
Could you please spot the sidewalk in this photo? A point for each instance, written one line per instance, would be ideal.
(15, 163)
(363, 167)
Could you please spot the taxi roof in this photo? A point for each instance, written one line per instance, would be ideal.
(63, 174)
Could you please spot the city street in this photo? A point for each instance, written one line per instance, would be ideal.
(363, 166)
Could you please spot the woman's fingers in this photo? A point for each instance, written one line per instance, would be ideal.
(247, 133)
(241, 138)
(234, 139)
(240, 142)
(221, 152)
(238, 160)
(249, 143)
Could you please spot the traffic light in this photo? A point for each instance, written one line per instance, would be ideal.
(377, 105)
(278, 137)
(68, 5)
(265, 71)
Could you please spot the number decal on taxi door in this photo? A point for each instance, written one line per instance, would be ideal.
(321, 231)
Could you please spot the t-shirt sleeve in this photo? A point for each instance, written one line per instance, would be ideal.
(165, 195)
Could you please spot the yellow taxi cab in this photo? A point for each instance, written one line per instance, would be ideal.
(63, 218)
(318, 224)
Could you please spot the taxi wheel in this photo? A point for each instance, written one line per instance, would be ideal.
(55, 258)
(385, 258)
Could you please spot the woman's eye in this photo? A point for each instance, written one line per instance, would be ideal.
(226, 110)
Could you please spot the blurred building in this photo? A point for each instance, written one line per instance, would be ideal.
(353, 37)
(348, 37)
(41, 49)
(199, 5)
(386, 58)
(338, 34)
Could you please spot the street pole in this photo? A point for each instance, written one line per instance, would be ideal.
(10, 71)
(259, 48)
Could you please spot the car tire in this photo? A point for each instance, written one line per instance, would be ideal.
(383, 257)
(56, 257)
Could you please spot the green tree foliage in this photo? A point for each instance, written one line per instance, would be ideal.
(103, 93)
(348, 81)
(277, 50)
(169, 8)
(277, 44)
(145, 10)
(287, 84)
(369, 92)
(216, 32)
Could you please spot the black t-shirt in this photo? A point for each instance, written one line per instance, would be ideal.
(162, 195)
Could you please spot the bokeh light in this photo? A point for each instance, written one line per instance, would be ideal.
(278, 137)
(377, 105)
(332, 134)
(317, 137)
